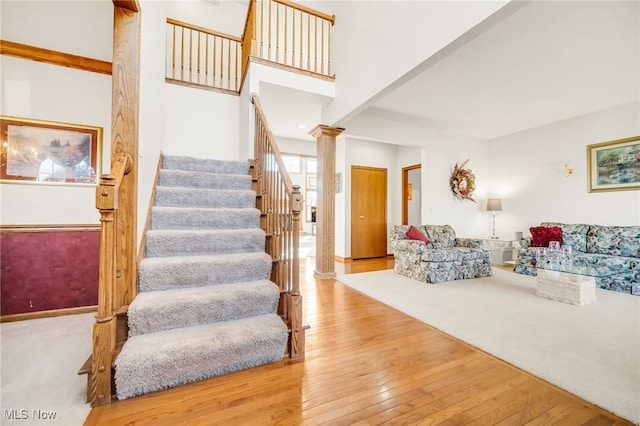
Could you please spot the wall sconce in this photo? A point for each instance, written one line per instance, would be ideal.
(409, 191)
(568, 171)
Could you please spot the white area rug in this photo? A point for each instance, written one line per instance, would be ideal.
(592, 351)
(40, 362)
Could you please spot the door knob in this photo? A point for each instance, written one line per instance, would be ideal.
(361, 217)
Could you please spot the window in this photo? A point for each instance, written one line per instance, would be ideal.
(292, 163)
(312, 165)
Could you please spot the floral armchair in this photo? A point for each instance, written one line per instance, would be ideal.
(443, 258)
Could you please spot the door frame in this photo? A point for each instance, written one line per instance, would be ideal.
(405, 191)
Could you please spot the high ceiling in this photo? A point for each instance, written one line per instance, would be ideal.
(547, 62)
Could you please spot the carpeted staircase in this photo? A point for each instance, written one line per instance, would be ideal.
(205, 305)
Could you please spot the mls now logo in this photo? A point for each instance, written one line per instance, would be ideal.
(21, 414)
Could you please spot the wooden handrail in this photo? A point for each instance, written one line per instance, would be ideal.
(280, 203)
(202, 29)
(326, 17)
(104, 330)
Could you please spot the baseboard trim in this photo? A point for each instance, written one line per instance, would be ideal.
(348, 259)
(48, 314)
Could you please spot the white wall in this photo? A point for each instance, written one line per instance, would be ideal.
(152, 103)
(201, 123)
(527, 173)
(83, 28)
(47, 92)
(370, 58)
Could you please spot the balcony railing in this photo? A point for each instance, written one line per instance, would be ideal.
(279, 32)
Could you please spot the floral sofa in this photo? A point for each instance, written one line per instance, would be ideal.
(443, 258)
(608, 248)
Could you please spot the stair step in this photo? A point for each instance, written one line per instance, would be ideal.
(204, 218)
(205, 165)
(167, 196)
(189, 179)
(155, 311)
(165, 243)
(163, 273)
(155, 361)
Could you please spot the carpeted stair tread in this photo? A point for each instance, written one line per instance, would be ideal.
(165, 243)
(167, 196)
(191, 179)
(155, 361)
(155, 311)
(162, 273)
(205, 165)
(204, 218)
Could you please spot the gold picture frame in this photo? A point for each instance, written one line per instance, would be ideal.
(614, 165)
(49, 152)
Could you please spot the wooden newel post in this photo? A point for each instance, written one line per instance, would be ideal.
(296, 208)
(104, 329)
(325, 210)
(294, 301)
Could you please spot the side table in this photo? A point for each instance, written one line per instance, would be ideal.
(502, 251)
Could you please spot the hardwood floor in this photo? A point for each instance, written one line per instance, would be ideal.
(365, 364)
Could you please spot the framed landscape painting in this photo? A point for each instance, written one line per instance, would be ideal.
(48, 152)
(614, 165)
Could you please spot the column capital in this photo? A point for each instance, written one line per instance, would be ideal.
(322, 130)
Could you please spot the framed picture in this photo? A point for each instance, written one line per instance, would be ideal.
(47, 152)
(614, 165)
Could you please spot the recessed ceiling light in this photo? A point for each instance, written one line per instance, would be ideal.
(301, 126)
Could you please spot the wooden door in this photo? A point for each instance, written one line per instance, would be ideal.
(368, 212)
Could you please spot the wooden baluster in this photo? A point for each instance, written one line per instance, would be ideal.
(315, 44)
(301, 40)
(173, 56)
(277, 58)
(206, 59)
(198, 66)
(228, 64)
(308, 42)
(322, 47)
(293, 38)
(329, 52)
(215, 59)
(269, 32)
(238, 67)
(182, 54)
(286, 28)
(190, 54)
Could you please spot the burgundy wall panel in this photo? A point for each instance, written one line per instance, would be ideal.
(41, 271)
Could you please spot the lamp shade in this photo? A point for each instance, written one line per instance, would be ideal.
(494, 205)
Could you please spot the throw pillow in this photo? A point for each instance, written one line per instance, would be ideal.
(541, 235)
(415, 234)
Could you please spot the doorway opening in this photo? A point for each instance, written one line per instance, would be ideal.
(412, 195)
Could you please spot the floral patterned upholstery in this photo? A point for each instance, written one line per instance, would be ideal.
(445, 258)
(608, 248)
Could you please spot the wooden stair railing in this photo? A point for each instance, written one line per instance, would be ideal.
(280, 203)
(277, 32)
(110, 328)
(290, 35)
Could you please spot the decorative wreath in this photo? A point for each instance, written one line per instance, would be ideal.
(463, 182)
